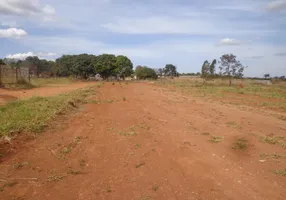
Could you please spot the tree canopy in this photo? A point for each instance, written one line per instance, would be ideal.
(143, 72)
(231, 67)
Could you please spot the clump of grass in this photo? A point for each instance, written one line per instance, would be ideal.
(155, 187)
(124, 99)
(216, 139)
(280, 172)
(75, 172)
(233, 124)
(241, 143)
(55, 178)
(108, 101)
(271, 139)
(140, 164)
(127, 133)
(34, 114)
(82, 163)
(8, 184)
(145, 197)
(282, 118)
(137, 146)
(19, 165)
(108, 189)
(66, 150)
(274, 156)
(205, 133)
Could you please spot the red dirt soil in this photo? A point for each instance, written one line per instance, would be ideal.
(10, 95)
(149, 143)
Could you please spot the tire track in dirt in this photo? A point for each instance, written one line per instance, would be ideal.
(150, 146)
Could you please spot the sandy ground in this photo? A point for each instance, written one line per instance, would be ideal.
(10, 95)
(148, 143)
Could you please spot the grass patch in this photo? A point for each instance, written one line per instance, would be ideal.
(137, 146)
(19, 165)
(205, 133)
(124, 99)
(272, 139)
(75, 172)
(140, 164)
(55, 178)
(108, 189)
(155, 188)
(7, 184)
(274, 156)
(240, 144)
(216, 139)
(280, 172)
(82, 163)
(34, 114)
(233, 124)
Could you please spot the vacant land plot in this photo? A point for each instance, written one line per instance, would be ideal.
(143, 141)
(46, 88)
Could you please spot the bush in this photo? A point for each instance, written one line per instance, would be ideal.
(145, 73)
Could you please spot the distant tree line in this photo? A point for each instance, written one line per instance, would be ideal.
(79, 66)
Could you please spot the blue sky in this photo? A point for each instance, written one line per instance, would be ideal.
(149, 32)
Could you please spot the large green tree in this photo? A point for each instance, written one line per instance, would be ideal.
(124, 66)
(170, 70)
(105, 65)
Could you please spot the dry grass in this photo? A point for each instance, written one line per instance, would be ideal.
(242, 92)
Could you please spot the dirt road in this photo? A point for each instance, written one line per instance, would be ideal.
(10, 95)
(140, 141)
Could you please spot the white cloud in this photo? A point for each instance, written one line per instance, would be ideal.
(24, 7)
(12, 33)
(229, 41)
(276, 5)
(23, 56)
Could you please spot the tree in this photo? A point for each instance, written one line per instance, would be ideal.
(170, 70)
(205, 73)
(2, 62)
(145, 73)
(266, 76)
(231, 67)
(124, 66)
(106, 65)
(212, 67)
(160, 72)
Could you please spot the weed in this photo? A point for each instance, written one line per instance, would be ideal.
(140, 164)
(7, 184)
(145, 197)
(274, 156)
(155, 187)
(271, 139)
(108, 189)
(82, 163)
(55, 178)
(241, 143)
(66, 150)
(233, 124)
(205, 133)
(108, 101)
(19, 165)
(137, 146)
(124, 99)
(280, 172)
(216, 139)
(75, 172)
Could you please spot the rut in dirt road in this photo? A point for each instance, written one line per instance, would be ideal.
(140, 141)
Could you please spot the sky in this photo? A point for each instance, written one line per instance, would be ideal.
(150, 32)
